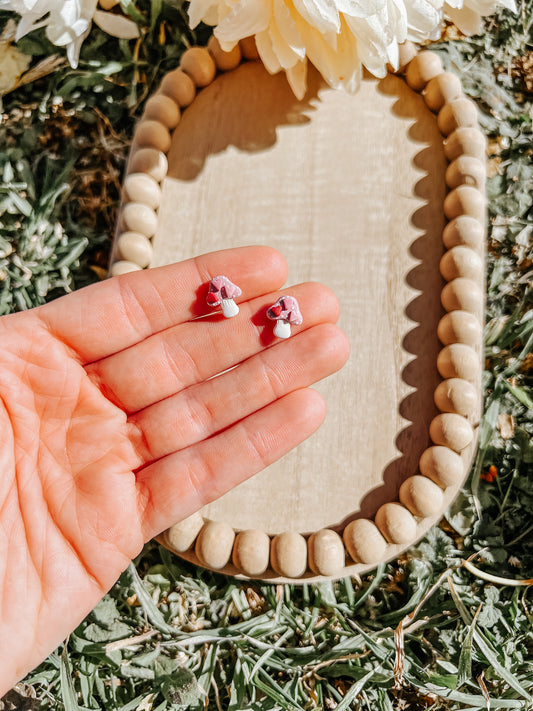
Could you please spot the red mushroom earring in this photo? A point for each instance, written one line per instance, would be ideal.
(222, 291)
(285, 312)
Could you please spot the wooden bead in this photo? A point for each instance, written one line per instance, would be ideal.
(325, 552)
(199, 65)
(152, 134)
(251, 552)
(466, 170)
(288, 554)
(123, 267)
(458, 360)
(421, 496)
(214, 544)
(456, 395)
(249, 48)
(140, 187)
(422, 68)
(364, 542)
(456, 114)
(225, 61)
(467, 141)
(440, 90)
(407, 51)
(442, 465)
(135, 247)
(396, 523)
(465, 200)
(164, 109)
(137, 217)
(179, 87)
(462, 295)
(461, 261)
(464, 230)
(150, 161)
(181, 536)
(459, 327)
(451, 430)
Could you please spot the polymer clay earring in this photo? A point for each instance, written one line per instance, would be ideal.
(221, 292)
(285, 312)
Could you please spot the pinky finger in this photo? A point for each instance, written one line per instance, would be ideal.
(181, 483)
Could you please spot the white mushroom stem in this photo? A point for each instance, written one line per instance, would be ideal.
(229, 308)
(282, 329)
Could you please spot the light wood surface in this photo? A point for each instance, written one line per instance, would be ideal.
(351, 190)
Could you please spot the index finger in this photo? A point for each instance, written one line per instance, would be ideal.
(105, 318)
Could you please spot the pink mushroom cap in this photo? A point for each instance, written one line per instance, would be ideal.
(286, 308)
(220, 287)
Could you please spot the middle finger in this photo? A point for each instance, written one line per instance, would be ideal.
(192, 352)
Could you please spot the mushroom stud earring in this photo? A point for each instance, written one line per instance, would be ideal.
(222, 292)
(285, 312)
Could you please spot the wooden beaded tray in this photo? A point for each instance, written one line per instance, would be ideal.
(378, 195)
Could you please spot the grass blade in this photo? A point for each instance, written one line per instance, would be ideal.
(148, 605)
(354, 692)
(68, 694)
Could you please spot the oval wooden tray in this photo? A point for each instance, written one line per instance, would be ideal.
(351, 190)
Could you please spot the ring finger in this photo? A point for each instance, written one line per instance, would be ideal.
(209, 407)
(179, 357)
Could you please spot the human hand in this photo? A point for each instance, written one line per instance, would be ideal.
(111, 428)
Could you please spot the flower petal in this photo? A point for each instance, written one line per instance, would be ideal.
(116, 25)
(73, 50)
(467, 20)
(70, 12)
(287, 28)
(398, 19)
(372, 43)
(286, 56)
(199, 9)
(263, 42)
(424, 19)
(28, 23)
(322, 14)
(341, 68)
(297, 78)
(360, 8)
(247, 17)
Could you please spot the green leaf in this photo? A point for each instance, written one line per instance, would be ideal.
(155, 10)
(68, 694)
(181, 689)
(461, 514)
(21, 204)
(149, 606)
(106, 612)
(489, 423)
(490, 613)
(464, 670)
(354, 692)
(130, 9)
(520, 394)
(273, 690)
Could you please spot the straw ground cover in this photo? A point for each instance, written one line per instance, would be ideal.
(448, 626)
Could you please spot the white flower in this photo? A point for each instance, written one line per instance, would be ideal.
(67, 22)
(12, 64)
(338, 36)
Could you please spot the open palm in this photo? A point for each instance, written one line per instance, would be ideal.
(112, 426)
